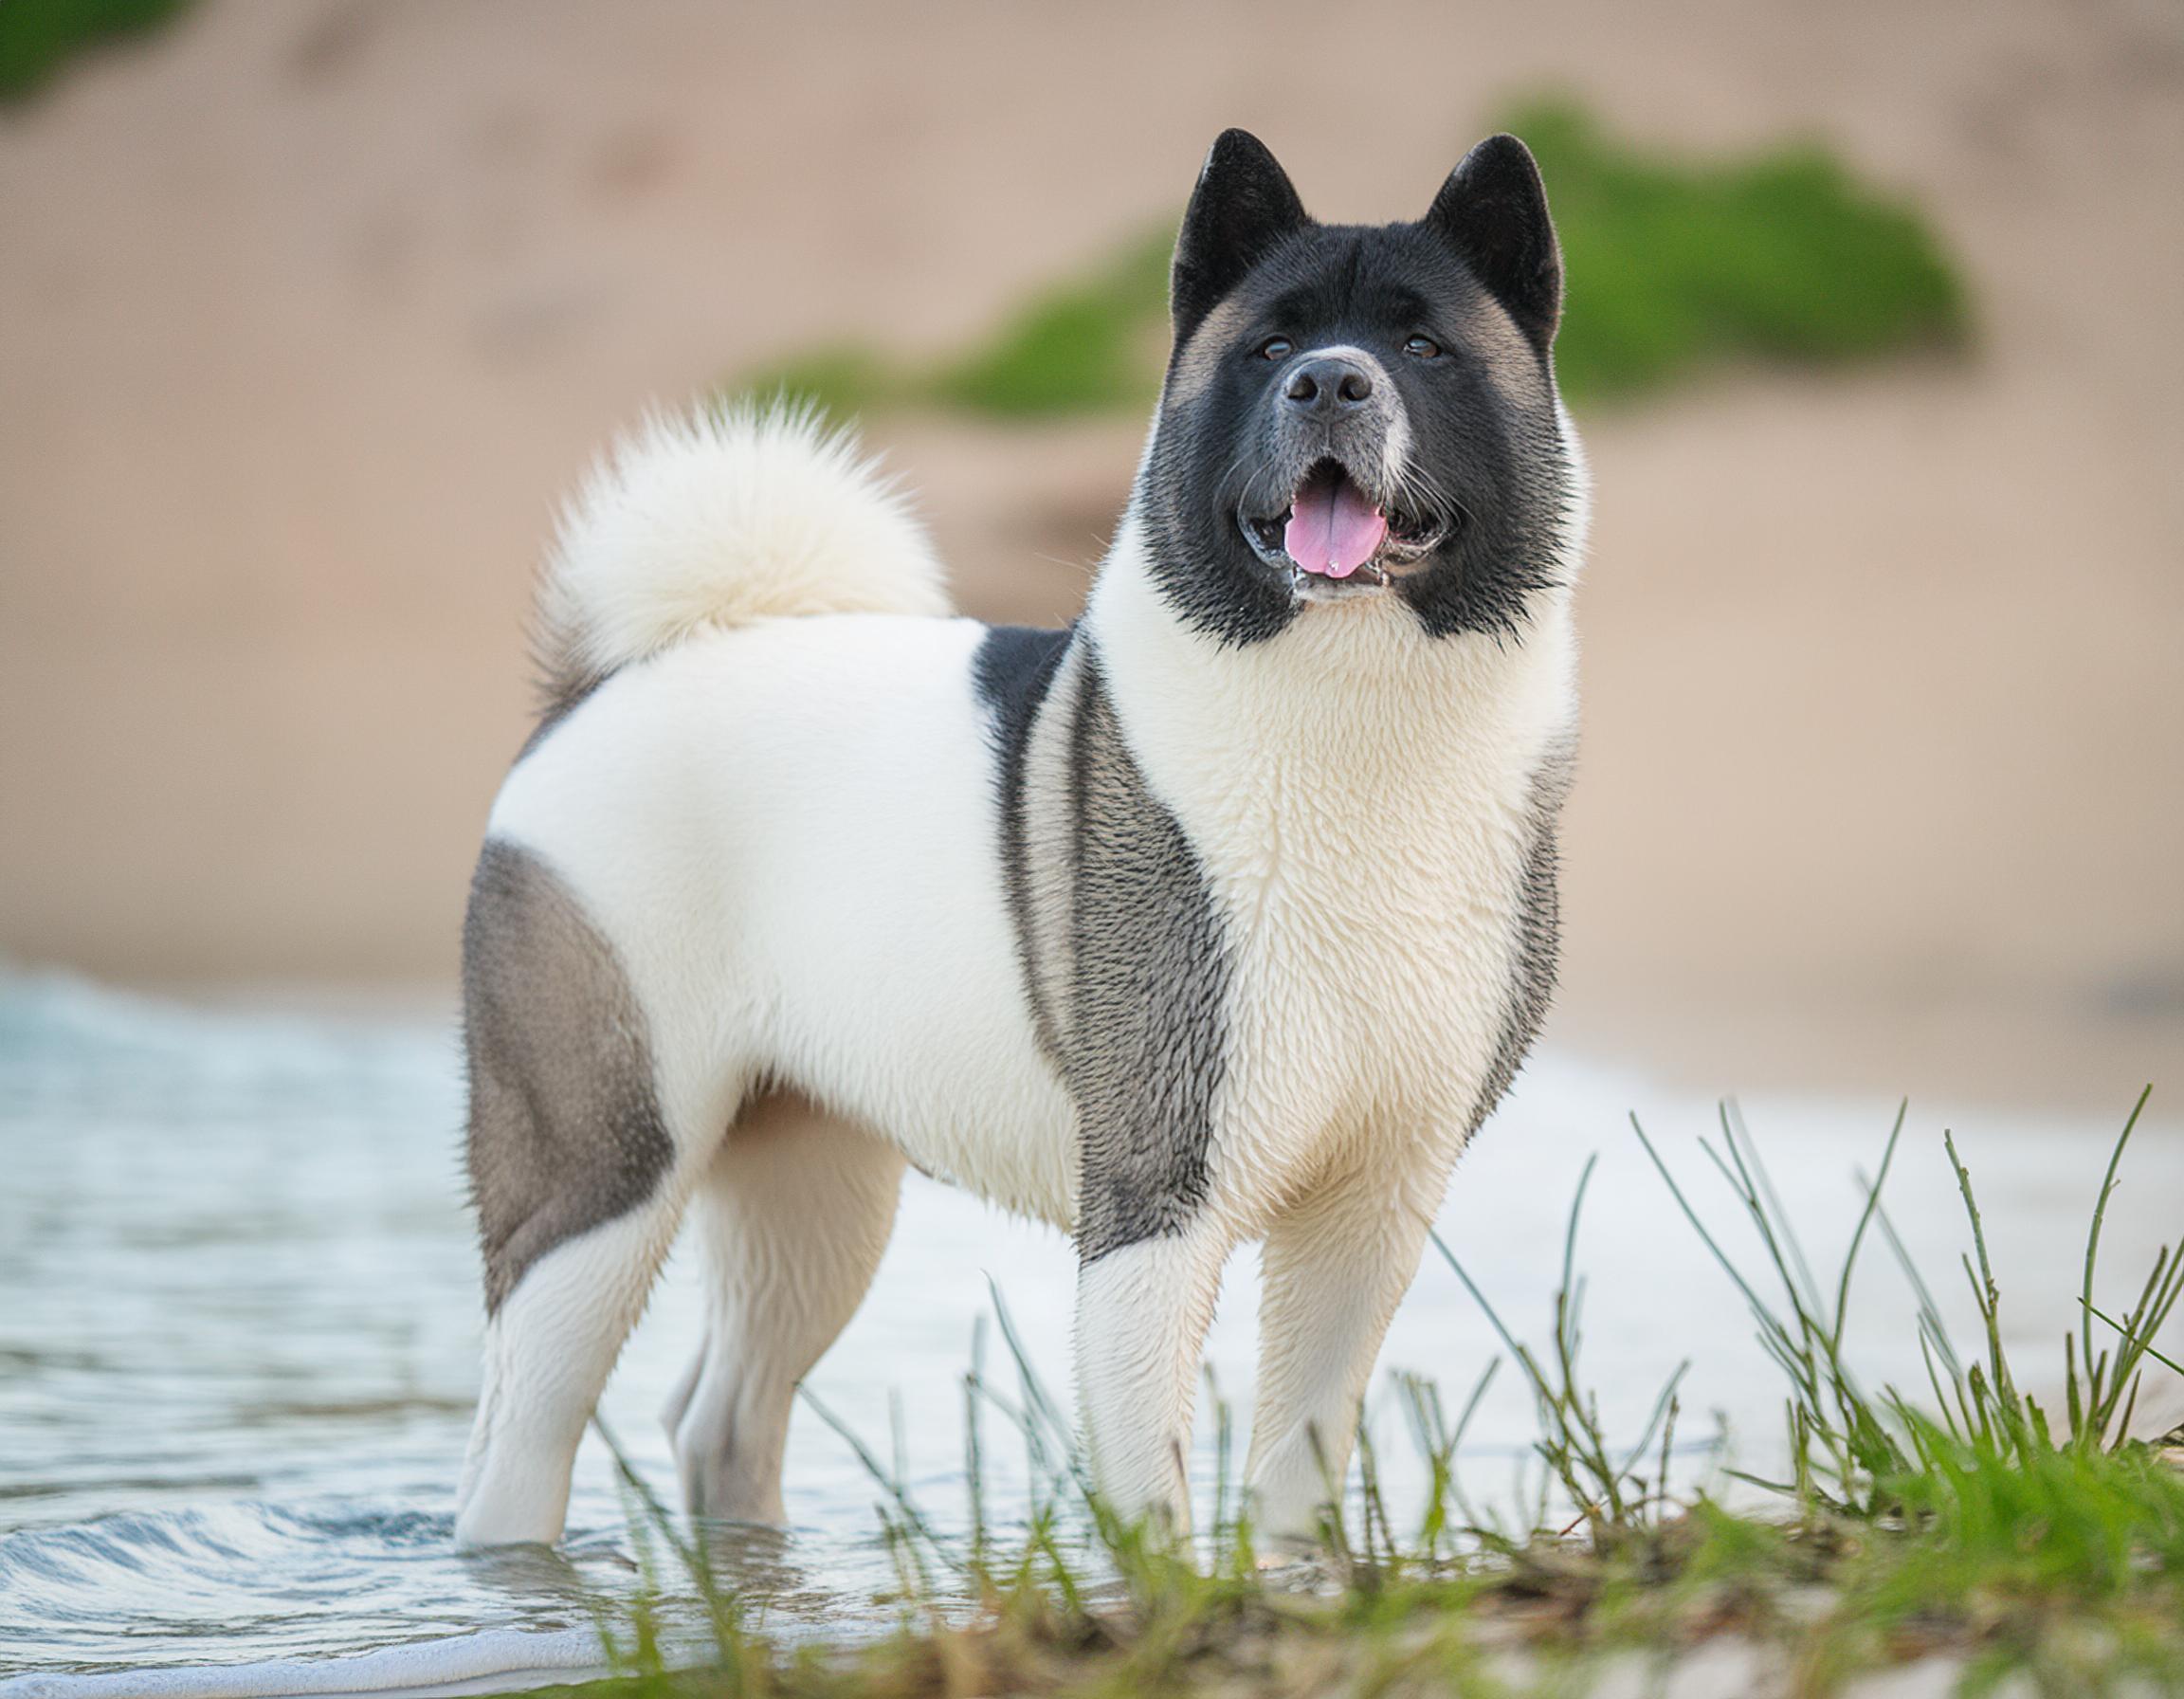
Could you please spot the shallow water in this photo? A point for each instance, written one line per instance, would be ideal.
(239, 1320)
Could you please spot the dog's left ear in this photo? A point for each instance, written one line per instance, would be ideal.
(1243, 206)
(1493, 212)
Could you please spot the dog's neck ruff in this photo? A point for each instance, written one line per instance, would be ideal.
(1355, 698)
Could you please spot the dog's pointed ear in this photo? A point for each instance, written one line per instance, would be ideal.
(1243, 206)
(1493, 212)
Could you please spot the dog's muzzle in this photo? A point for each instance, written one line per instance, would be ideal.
(1341, 530)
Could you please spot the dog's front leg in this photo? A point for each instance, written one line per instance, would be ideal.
(1143, 1311)
(1335, 1268)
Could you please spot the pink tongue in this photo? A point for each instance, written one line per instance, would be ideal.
(1332, 530)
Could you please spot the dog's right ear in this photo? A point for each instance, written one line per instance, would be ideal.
(1243, 206)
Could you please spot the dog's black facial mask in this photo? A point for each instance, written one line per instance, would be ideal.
(1354, 411)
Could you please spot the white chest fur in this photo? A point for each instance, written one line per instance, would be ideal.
(1362, 799)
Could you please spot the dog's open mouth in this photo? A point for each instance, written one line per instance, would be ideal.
(1332, 536)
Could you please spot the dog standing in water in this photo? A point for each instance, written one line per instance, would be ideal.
(1226, 913)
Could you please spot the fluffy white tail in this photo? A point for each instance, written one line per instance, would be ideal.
(717, 518)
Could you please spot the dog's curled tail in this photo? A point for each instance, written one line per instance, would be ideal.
(718, 518)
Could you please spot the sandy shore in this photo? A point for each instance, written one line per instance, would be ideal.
(308, 312)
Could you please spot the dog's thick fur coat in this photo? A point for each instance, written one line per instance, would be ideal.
(1226, 914)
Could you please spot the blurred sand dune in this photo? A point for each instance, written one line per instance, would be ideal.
(308, 312)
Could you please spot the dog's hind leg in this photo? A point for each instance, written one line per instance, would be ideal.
(579, 1177)
(549, 1349)
(794, 1213)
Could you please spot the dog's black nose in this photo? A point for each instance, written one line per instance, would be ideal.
(1328, 385)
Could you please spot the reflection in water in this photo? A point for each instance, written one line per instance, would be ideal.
(239, 1326)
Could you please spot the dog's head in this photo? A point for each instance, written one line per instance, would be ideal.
(1358, 411)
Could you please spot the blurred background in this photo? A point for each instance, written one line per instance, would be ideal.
(310, 309)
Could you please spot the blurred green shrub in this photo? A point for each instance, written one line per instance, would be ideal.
(1096, 342)
(1673, 266)
(38, 36)
(1782, 256)
(1087, 343)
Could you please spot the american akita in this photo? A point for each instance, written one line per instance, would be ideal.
(1226, 913)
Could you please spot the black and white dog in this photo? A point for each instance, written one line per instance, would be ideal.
(1226, 914)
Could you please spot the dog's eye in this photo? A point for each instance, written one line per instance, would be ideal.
(1425, 348)
(1274, 348)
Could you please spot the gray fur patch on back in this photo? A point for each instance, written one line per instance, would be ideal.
(1538, 930)
(565, 1126)
(1148, 979)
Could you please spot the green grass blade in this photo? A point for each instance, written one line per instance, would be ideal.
(2099, 1215)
